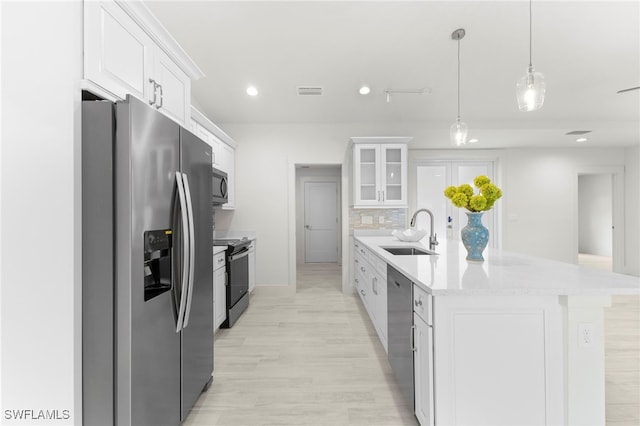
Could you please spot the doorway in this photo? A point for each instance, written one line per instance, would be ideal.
(318, 217)
(599, 218)
(595, 221)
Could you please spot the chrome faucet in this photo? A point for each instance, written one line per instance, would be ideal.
(433, 238)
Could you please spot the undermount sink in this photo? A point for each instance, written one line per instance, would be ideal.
(407, 251)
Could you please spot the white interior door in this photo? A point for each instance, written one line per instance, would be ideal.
(432, 179)
(320, 222)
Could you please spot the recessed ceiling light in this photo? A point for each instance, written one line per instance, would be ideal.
(252, 91)
(474, 140)
(581, 140)
(365, 90)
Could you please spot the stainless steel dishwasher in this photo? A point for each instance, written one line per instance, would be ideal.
(399, 333)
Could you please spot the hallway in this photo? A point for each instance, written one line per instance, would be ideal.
(309, 358)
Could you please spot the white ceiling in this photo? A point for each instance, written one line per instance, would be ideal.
(587, 51)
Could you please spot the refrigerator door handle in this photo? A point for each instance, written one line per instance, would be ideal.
(185, 251)
(192, 249)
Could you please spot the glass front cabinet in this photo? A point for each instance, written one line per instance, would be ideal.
(380, 174)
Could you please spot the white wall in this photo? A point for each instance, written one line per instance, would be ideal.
(40, 195)
(540, 198)
(632, 210)
(595, 214)
(539, 207)
(264, 156)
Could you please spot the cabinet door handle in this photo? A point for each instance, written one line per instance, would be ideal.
(382, 196)
(362, 268)
(363, 293)
(374, 285)
(417, 302)
(155, 85)
(413, 339)
(161, 98)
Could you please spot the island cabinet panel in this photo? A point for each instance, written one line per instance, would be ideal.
(423, 370)
(498, 360)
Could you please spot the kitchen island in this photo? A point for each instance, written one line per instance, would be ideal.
(511, 340)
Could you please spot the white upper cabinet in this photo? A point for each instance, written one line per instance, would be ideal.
(380, 172)
(173, 88)
(118, 53)
(126, 51)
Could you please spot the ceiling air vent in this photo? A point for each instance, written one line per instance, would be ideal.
(578, 132)
(309, 91)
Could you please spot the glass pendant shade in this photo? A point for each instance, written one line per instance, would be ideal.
(530, 90)
(458, 133)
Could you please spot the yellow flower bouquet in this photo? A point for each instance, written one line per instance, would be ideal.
(464, 196)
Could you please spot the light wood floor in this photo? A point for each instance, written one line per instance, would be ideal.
(622, 352)
(313, 358)
(622, 361)
(309, 358)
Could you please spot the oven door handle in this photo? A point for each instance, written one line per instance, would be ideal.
(239, 255)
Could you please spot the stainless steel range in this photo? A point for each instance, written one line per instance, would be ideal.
(237, 255)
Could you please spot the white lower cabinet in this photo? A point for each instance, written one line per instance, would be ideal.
(219, 290)
(379, 291)
(423, 357)
(371, 285)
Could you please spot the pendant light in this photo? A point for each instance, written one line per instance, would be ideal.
(458, 131)
(531, 87)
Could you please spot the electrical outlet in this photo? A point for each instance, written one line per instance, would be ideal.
(585, 335)
(381, 220)
(367, 220)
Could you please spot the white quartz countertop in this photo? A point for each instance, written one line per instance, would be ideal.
(502, 272)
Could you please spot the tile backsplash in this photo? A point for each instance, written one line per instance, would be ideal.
(377, 219)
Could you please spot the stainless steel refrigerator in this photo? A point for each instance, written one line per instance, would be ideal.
(147, 266)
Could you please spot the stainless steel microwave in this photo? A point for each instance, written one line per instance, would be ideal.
(220, 187)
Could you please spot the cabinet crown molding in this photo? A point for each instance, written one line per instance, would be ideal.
(381, 139)
(140, 13)
(204, 121)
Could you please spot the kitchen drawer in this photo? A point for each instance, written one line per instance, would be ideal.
(218, 260)
(359, 249)
(363, 267)
(422, 304)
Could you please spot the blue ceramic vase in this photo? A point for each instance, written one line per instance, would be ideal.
(475, 236)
